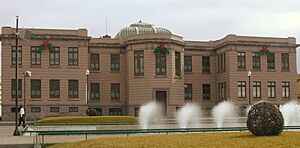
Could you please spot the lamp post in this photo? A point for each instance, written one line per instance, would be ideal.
(26, 74)
(249, 76)
(16, 132)
(87, 73)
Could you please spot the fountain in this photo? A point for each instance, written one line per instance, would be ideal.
(187, 115)
(221, 111)
(147, 114)
(290, 113)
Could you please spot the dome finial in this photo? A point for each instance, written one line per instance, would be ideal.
(140, 21)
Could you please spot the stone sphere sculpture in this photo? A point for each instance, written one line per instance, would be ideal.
(265, 119)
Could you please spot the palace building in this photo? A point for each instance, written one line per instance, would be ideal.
(142, 63)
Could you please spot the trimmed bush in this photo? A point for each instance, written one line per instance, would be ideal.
(91, 112)
(89, 120)
(265, 119)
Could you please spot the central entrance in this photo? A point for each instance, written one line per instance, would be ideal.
(161, 99)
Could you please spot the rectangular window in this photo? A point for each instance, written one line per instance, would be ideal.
(54, 91)
(241, 60)
(35, 88)
(54, 57)
(73, 89)
(206, 91)
(188, 67)
(136, 111)
(285, 64)
(73, 109)
(205, 64)
(256, 61)
(35, 109)
(35, 56)
(160, 64)
(99, 111)
(219, 64)
(115, 62)
(12, 109)
(285, 89)
(188, 92)
(271, 89)
(139, 63)
(95, 91)
(271, 61)
(222, 64)
(115, 111)
(73, 56)
(115, 91)
(177, 63)
(241, 89)
(13, 55)
(54, 109)
(256, 89)
(95, 64)
(13, 88)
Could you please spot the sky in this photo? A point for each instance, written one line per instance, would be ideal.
(201, 20)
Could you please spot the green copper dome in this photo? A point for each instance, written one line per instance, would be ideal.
(141, 28)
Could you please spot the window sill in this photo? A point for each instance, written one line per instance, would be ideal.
(271, 70)
(206, 100)
(188, 100)
(188, 73)
(177, 77)
(285, 70)
(13, 66)
(95, 71)
(138, 77)
(94, 100)
(256, 69)
(161, 76)
(206, 73)
(35, 66)
(115, 101)
(73, 67)
(116, 72)
(241, 70)
(54, 66)
(73, 99)
(54, 99)
(36, 99)
(242, 99)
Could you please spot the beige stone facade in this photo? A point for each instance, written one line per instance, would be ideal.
(128, 74)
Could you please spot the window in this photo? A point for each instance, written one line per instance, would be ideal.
(222, 91)
(115, 91)
(13, 55)
(115, 111)
(188, 67)
(256, 89)
(54, 58)
(54, 91)
(35, 109)
(285, 89)
(224, 62)
(221, 60)
(177, 64)
(160, 64)
(139, 63)
(255, 61)
(271, 90)
(241, 89)
(136, 111)
(241, 60)
(115, 62)
(99, 111)
(188, 92)
(73, 109)
(221, 63)
(206, 91)
(54, 109)
(73, 89)
(35, 88)
(73, 56)
(95, 65)
(35, 56)
(12, 109)
(13, 88)
(205, 64)
(95, 91)
(271, 61)
(285, 61)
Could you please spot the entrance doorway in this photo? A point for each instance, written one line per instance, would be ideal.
(161, 99)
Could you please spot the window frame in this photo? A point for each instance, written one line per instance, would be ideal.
(271, 89)
(13, 88)
(74, 88)
(177, 63)
(94, 62)
(37, 59)
(241, 60)
(13, 54)
(256, 89)
(139, 63)
(72, 51)
(35, 86)
(54, 85)
(55, 58)
(188, 64)
(271, 61)
(94, 91)
(115, 62)
(160, 64)
(285, 61)
(115, 91)
(206, 92)
(205, 64)
(256, 61)
(242, 89)
(188, 92)
(286, 88)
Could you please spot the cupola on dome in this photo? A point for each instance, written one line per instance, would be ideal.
(141, 28)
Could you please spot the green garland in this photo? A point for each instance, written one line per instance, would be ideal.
(44, 46)
(161, 49)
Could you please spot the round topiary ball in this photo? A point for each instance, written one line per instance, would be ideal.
(265, 119)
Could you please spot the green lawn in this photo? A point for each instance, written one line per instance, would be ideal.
(89, 120)
(220, 140)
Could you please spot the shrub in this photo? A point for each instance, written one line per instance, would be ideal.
(265, 119)
(91, 112)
